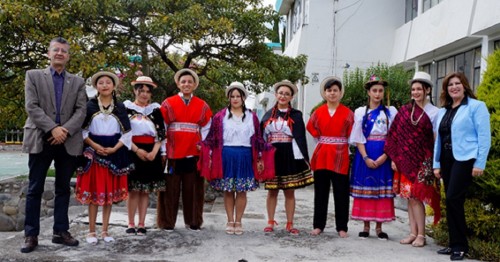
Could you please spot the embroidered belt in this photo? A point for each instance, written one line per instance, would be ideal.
(183, 127)
(279, 137)
(376, 137)
(332, 140)
(143, 139)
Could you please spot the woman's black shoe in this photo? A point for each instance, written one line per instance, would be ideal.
(457, 255)
(363, 234)
(130, 231)
(445, 251)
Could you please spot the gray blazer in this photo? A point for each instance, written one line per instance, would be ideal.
(40, 105)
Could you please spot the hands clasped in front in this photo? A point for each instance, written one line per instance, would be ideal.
(59, 135)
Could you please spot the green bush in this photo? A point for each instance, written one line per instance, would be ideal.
(355, 94)
(483, 223)
(396, 76)
(487, 187)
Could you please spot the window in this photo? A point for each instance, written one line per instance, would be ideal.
(297, 15)
(411, 10)
(450, 65)
(460, 62)
(428, 4)
(468, 62)
(496, 44)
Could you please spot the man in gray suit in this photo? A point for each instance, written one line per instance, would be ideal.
(55, 101)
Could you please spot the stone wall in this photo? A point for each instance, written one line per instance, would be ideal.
(13, 201)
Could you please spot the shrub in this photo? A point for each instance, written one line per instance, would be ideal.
(355, 94)
(487, 187)
(396, 76)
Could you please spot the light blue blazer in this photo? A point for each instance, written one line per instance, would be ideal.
(470, 134)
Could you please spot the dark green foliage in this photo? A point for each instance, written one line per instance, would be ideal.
(483, 222)
(487, 187)
(355, 93)
(223, 41)
(397, 78)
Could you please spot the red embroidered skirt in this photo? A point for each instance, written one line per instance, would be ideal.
(99, 186)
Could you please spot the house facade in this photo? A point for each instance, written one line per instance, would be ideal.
(436, 36)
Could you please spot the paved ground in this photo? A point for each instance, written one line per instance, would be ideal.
(212, 244)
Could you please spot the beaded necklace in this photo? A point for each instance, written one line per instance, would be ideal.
(415, 122)
(105, 110)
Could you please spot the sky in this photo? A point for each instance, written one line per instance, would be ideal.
(269, 2)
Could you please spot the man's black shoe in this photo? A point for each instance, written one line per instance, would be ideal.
(445, 251)
(64, 238)
(30, 243)
(457, 255)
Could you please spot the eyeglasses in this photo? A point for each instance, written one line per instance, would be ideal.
(57, 49)
(284, 94)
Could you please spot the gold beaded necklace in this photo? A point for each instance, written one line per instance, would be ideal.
(411, 116)
(108, 110)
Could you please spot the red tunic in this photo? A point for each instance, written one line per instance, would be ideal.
(184, 124)
(332, 132)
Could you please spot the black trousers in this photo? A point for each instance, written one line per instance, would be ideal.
(457, 177)
(323, 180)
(65, 166)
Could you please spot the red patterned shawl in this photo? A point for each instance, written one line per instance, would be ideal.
(411, 148)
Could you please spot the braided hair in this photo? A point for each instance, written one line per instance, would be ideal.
(244, 108)
(386, 110)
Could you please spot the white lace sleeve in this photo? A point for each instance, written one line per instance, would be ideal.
(357, 129)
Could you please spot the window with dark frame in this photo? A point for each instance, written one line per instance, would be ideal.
(468, 62)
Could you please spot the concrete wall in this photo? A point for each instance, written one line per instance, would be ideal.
(445, 29)
(334, 33)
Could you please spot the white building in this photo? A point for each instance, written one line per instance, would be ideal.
(437, 36)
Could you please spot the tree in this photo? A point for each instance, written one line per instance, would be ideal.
(223, 40)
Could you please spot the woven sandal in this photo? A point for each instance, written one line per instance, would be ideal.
(270, 226)
(230, 228)
(238, 228)
(419, 241)
(408, 240)
(293, 231)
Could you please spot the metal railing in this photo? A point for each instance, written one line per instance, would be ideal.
(12, 137)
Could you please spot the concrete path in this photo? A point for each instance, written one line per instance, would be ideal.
(212, 244)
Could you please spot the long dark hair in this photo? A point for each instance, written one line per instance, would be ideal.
(445, 97)
(242, 95)
(425, 86)
(386, 110)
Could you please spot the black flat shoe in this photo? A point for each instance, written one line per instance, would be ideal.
(382, 236)
(363, 234)
(445, 251)
(130, 231)
(457, 255)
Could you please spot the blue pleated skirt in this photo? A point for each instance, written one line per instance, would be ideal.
(371, 183)
(237, 169)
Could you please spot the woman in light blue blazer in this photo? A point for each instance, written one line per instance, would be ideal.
(460, 152)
